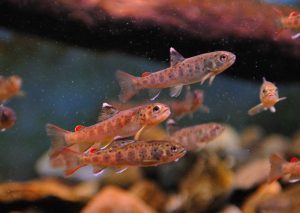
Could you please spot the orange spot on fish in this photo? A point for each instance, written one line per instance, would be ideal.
(294, 159)
(293, 14)
(146, 74)
(92, 150)
(79, 127)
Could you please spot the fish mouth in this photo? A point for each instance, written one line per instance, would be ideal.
(232, 59)
(271, 96)
(167, 111)
(182, 152)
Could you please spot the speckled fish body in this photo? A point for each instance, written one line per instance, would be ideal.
(124, 123)
(9, 87)
(131, 153)
(181, 72)
(140, 153)
(196, 137)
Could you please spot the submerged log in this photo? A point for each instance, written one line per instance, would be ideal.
(150, 28)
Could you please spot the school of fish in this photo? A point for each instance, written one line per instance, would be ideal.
(113, 142)
(106, 144)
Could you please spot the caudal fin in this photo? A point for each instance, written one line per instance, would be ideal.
(57, 137)
(276, 167)
(127, 84)
(72, 161)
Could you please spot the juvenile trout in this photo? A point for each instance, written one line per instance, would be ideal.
(122, 123)
(193, 101)
(282, 168)
(121, 154)
(268, 97)
(196, 137)
(181, 72)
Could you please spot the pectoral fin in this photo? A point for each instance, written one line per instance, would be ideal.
(211, 79)
(257, 109)
(281, 99)
(175, 91)
(207, 76)
(138, 134)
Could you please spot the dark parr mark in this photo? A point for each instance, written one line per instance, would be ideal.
(131, 156)
(156, 153)
(95, 159)
(106, 157)
(152, 81)
(119, 156)
(161, 78)
(142, 154)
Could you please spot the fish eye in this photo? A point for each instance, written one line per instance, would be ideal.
(223, 58)
(173, 149)
(156, 109)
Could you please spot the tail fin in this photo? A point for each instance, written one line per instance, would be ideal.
(127, 84)
(254, 110)
(276, 167)
(57, 137)
(72, 161)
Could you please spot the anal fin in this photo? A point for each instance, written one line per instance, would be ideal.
(296, 36)
(175, 91)
(154, 93)
(120, 170)
(98, 170)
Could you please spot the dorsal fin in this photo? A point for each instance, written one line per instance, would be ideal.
(78, 128)
(120, 142)
(175, 57)
(144, 74)
(107, 112)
